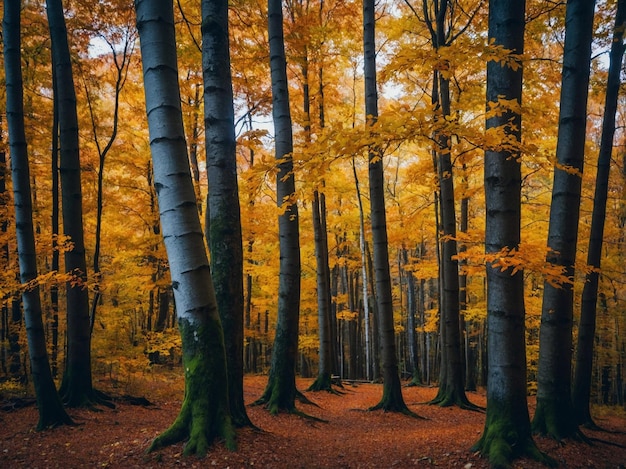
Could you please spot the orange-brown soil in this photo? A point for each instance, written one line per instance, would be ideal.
(351, 438)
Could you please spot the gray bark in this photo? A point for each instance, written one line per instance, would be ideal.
(223, 213)
(281, 392)
(205, 412)
(51, 411)
(76, 387)
(507, 433)
(392, 399)
(554, 415)
(586, 331)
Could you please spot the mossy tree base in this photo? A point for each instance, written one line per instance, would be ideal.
(324, 382)
(392, 400)
(449, 396)
(205, 412)
(502, 442)
(556, 419)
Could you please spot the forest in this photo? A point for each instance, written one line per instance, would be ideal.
(266, 208)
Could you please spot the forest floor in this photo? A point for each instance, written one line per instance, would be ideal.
(351, 438)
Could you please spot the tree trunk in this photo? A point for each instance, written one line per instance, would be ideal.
(76, 387)
(51, 411)
(281, 392)
(507, 433)
(205, 412)
(586, 332)
(554, 415)
(392, 399)
(451, 389)
(223, 214)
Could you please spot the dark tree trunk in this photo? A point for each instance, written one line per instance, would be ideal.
(223, 213)
(554, 415)
(392, 399)
(581, 390)
(51, 410)
(76, 387)
(281, 391)
(507, 434)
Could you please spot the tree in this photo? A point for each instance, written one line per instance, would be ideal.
(392, 399)
(205, 411)
(554, 415)
(223, 222)
(507, 434)
(49, 405)
(76, 388)
(581, 390)
(280, 392)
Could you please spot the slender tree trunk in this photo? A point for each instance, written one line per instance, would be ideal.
(554, 415)
(586, 332)
(76, 387)
(281, 391)
(451, 389)
(205, 412)
(507, 434)
(51, 411)
(392, 399)
(366, 309)
(223, 213)
(54, 222)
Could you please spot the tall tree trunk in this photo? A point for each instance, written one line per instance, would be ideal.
(507, 434)
(281, 391)
(586, 332)
(554, 415)
(392, 399)
(205, 411)
(76, 387)
(51, 410)
(451, 389)
(223, 213)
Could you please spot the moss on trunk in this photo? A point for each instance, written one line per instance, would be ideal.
(555, 418)
(507, 436)
(205, 414)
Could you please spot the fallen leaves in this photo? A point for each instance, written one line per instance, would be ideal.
(352, 438)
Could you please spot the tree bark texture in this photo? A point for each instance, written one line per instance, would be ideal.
(554, 415)
(205, 412)
(49, 405)
(507, 433)
(223, 213)
(581, 390)
(76, 387)
(281, 392)
(392, 399)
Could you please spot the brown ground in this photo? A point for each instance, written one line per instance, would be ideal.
(352, 438)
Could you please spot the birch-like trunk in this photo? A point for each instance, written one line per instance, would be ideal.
(49, 405)
(554, 415)
(205, 412)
